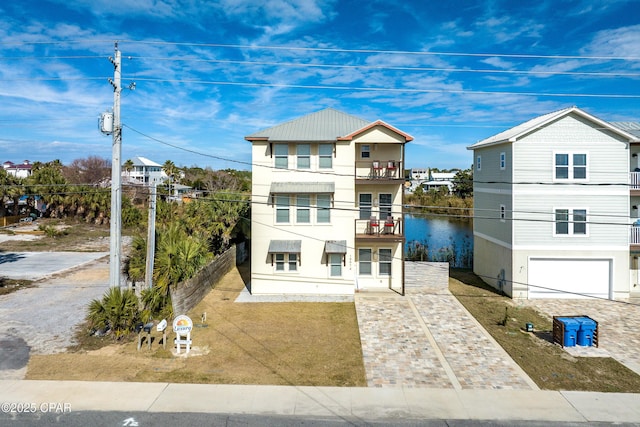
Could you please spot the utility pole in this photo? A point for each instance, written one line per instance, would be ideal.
(151, 238)
(115, 243)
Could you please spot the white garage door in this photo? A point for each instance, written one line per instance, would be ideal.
(569, 278)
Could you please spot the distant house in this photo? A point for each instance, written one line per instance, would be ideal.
(145, 172)
(22, 170)
(437, 180)
(553, 202)
(327, 206)
(419, 174)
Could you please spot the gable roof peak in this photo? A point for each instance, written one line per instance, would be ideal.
(513, 134)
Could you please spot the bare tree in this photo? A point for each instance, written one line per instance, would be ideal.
(91, 170)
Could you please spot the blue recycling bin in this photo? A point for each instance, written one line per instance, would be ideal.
(586, 331)
(571, 327)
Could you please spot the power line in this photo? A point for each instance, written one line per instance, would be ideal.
(391, 90)
(93, 42)
(393, 52)
(391, 68)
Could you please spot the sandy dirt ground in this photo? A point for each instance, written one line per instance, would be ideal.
(42, 319)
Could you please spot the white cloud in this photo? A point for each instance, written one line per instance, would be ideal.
(622, 42)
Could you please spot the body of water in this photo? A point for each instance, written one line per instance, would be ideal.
(432, 238)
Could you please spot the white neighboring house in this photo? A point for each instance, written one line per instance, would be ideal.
(327, 199)
(552, 208)
(145, 172)
(419, 174)
(436, 180)
(22, 170)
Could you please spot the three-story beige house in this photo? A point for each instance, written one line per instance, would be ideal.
(327, 206)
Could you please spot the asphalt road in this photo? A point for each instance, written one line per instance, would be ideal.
(37, 265)
(110, 418)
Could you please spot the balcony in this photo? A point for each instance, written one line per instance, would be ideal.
(634, 236)
(379, 171)
(374, 229)
(634, 183)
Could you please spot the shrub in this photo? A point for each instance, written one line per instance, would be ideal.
(116, 312)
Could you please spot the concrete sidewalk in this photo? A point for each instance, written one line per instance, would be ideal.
(354, 404)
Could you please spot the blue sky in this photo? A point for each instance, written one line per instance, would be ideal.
(209, 73)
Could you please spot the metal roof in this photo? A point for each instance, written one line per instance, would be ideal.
(143, 161)
(285, 246)
(324, 125)
(632, 127)
(335, 246)
(302, 187)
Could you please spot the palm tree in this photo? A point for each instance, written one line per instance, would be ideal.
(128, 167)
(170, 169)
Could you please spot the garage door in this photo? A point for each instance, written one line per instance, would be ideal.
(569, 278)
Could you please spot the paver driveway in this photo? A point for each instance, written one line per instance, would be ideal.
(428, 339)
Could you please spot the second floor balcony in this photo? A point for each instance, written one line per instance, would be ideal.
(379, 170)
(634, 182)
(634, 235)
(390, 228)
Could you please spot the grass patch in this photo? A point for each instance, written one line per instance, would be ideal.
(8, 286)
(61, 235)
(547, 364)
(315, 344)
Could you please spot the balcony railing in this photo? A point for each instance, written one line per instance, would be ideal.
(374, 227)
(634, 236)
(634, 180)
(379, 169)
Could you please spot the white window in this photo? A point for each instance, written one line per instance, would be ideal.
(281, 152)
(503, 213)
(293, 262)
(323, 203)
(570, 222)
(365, 205)
(325, 156)
(283, 203)
(384, 262)
(303, 153)
(479, 162)
(570, 166)
(335, 265)
(503, 161)
(364, 262)
(365, 151)
(385, 205)
(286, 262)
(303, 208)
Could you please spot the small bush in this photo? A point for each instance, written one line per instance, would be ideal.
(116, 312)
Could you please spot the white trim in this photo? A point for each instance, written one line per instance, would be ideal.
(570, 222)
(503, 160)
(479, 162)
(493, 190)
(570, 166)
(547, 190)
(371, 274)
(493, 240)
(578, 248)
